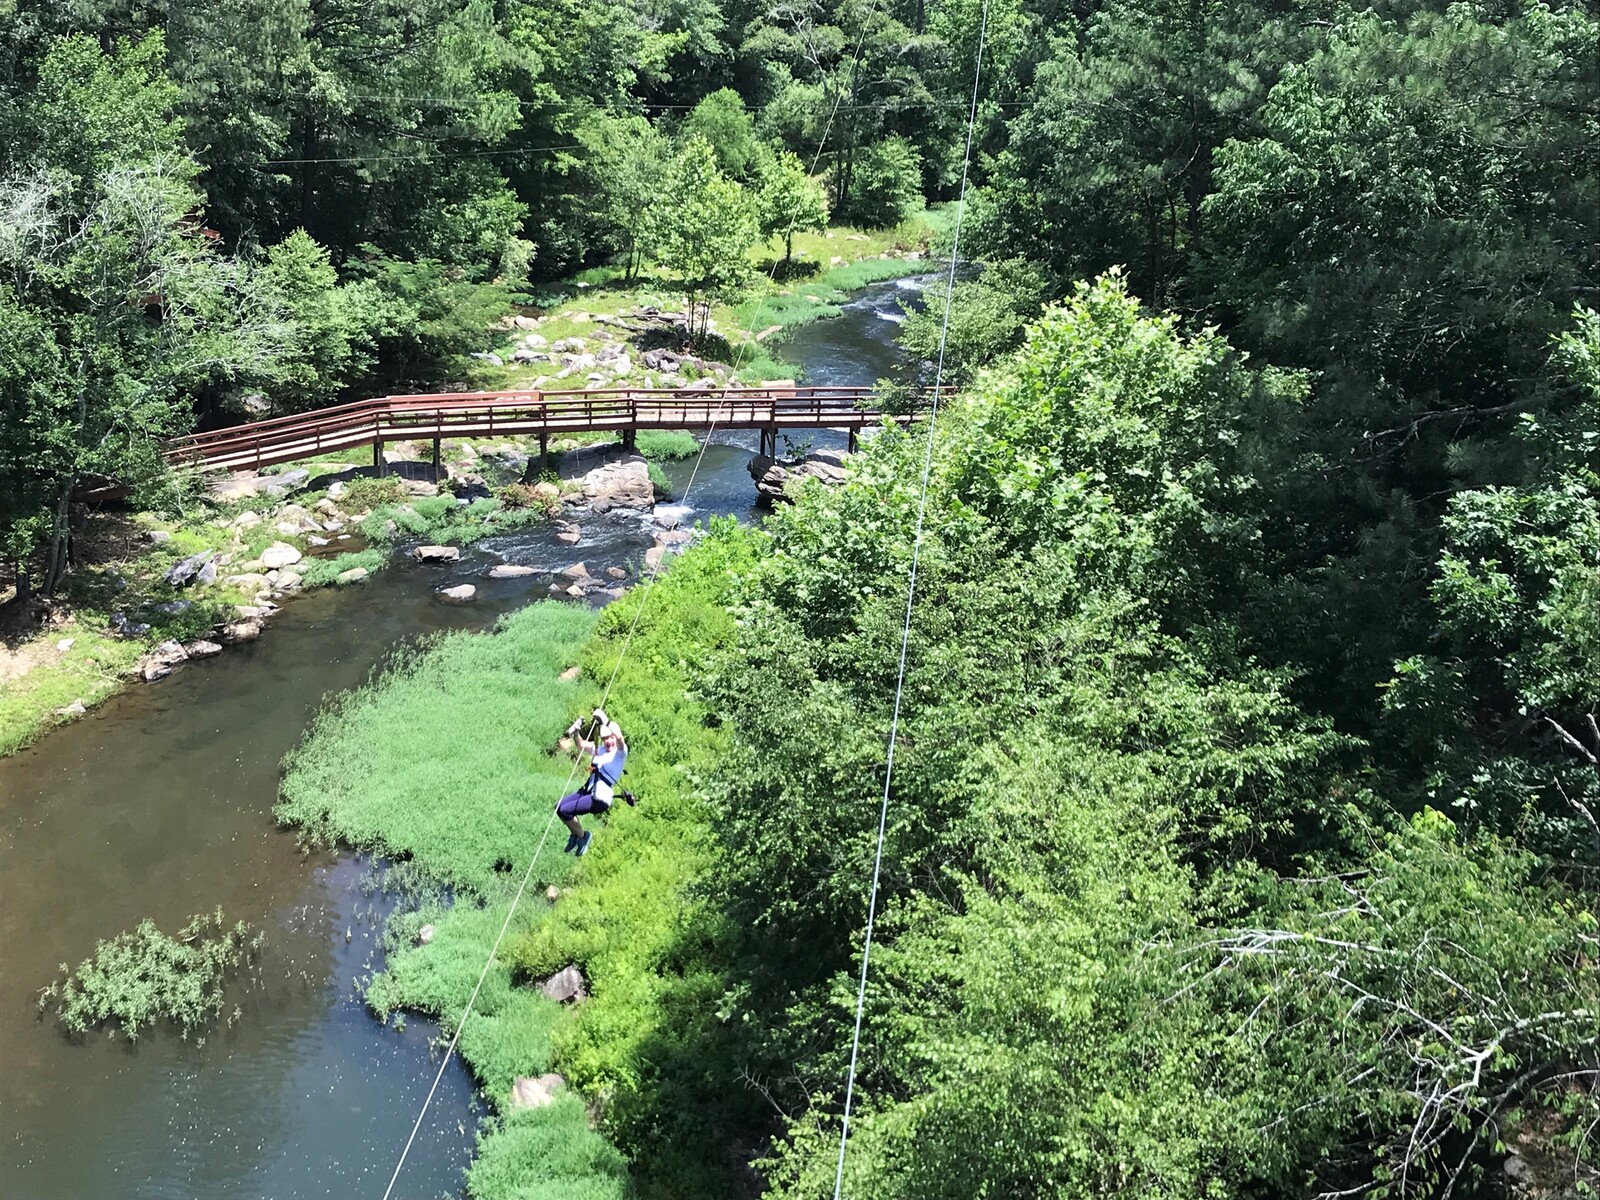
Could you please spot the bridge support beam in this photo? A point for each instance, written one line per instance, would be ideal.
(544, 449)
(769, 442)
(630, 440)
(853, 439)
(378, 465)
(436, 460)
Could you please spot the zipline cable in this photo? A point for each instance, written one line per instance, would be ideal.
(605, 696)
(905, 636)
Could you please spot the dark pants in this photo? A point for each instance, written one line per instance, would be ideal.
(581, 804)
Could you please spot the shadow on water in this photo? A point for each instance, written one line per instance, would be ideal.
(159, 804)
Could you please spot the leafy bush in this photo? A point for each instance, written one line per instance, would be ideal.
(144, 976)
(885, 183)
(667, 444)
(658, 480)
(443, 519)
(320, 572)
(370, 491)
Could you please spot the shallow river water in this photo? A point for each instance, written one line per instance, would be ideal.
(159, 804)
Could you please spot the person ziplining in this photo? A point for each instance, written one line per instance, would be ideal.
(608, 757)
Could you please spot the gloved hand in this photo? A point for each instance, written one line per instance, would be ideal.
(600, 715)
(574, 727)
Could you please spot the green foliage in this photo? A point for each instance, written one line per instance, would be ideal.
(886, 184)
(372, 491)
(144, 976)
(491, 706)
(443, 519)
(667, 444)
(789, 201)
(658, 480)
(986, 319)
(700, 226)
(721, 121)
(323, 572)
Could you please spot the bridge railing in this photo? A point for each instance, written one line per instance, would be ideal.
(392, 418)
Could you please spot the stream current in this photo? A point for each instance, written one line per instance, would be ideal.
(159, 804)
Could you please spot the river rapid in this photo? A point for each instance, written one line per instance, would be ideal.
(159, 804)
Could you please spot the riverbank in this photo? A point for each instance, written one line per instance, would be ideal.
(621, 917)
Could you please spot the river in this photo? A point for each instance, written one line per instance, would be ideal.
(159, 804)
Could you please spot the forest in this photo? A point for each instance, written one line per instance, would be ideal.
(1245, 819)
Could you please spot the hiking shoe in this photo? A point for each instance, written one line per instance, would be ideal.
(572, 843)
(583, 844)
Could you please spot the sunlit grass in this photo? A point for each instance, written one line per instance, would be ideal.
(443, 759)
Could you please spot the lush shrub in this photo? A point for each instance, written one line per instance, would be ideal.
(320, 572)
(658, 480)
(885, 183)
(667, 443)
(144, 976)
(370, 491)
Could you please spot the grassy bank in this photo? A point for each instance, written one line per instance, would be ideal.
(444, 761)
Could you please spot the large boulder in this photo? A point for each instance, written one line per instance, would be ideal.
(279, 555)
(621, 484)
(242, 631)
(159, 662)
(187, 570)
(511, 571)
(774, 477)
(528, 1092)
(566, 984)
(282, 485)
(462, 593)
(436, 553)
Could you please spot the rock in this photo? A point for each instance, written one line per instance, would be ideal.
(570, 537)
(247, 612)
(575, 571)
(462, 593)
(566, 984)
(673, 537)
(529, 356)
(238, 486)
(547, 491)
(335, 490)
(521, 322)
(242, 631)
(437, 553)
(353, 575)
(158, 536)
(622, 484)
(536, 341)
(76, 709)
(173, 608)
(671, 516)
(288, 581)
(158, 664)
(652, 559)
(557, 590)
(282, 485)
(494, 360)
(279, 554)
(202, 649)
(528, 1092)
(250, 581)
(552, 893)
(575, 591)
(1516, 1167)
(510, 571)
(616, 573)
(181, 573)
(570, 674)
(774, 478)
(425, 935)
(317, 541)
(208, 573)
(65, 644)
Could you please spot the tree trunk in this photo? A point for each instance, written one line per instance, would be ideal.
(788, 244)
(58, 538)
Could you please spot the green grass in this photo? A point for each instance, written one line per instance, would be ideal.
(440, 520)
(324, 572)
(92, 670)
(443, 758)
(667, 444)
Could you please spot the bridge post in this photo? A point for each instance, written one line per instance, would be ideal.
(630, 439)
(436, 459)
(378, 465)
(769, 442)
(853, 432)
(544, 448)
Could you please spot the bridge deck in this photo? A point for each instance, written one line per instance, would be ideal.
(498, 414)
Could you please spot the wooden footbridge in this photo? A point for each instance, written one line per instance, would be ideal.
(541, 414)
